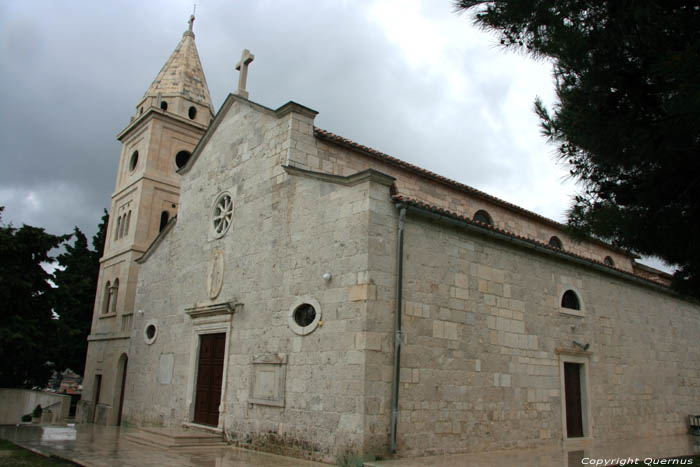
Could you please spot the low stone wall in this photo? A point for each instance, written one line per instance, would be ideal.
(17, 402)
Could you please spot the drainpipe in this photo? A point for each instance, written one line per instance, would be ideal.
(397, 329)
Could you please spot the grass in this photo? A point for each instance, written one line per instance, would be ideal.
(12, 455)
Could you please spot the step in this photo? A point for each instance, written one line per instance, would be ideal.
(175, 438)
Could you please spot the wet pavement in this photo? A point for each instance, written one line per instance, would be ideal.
(101, 446)
(587, 453)
(106, 446)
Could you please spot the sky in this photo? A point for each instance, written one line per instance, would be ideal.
(411, 78)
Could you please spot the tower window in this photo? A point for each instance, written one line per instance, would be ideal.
(181, 158)
(106, 297)
(570, 300)
(483, 217)
(555, 242)
(116, 228)
(114, 296)
(134, 160)
(164, 218)
(192, 112)
(163, 105)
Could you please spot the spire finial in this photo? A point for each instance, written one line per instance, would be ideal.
(191, 21)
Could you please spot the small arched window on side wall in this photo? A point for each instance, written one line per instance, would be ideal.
(192, 112)
(114, 296)
(609, 261)
(128, 221)
(483, 217)
(163, 105)
(164, 218)
(556, 242)
(570, 300)
(105, 298)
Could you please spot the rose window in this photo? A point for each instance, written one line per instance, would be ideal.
(223, 214)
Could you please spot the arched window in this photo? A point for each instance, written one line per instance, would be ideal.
(114, 296)
(106, 297)
(122, 221)
(483, 217)
(116, 229)
(128, 221)
(164, 217)
(609, 261)
(181, 158)
(570, 300)
(192, 112)
(163, 105)
(555, 242)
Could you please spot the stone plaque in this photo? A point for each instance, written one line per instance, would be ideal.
(215, 274)
(165, 368)
(268, 379)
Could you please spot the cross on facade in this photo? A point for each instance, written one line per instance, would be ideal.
(242, 66)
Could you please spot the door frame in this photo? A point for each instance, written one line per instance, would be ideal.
(583, 360)
(208, 320)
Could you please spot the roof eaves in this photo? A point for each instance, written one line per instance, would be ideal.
(544, 247)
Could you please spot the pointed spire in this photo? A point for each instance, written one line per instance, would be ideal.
(182, 75)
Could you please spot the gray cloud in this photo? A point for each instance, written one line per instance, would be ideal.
(74, 72)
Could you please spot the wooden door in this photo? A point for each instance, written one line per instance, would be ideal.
(572, 389)
(209, 377)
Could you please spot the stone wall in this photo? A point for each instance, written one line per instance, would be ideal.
(14, 403)
(485, 338)
(289, 229)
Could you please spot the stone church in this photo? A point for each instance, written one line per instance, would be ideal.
(304, 294)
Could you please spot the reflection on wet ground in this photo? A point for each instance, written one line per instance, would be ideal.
(105, 446)
(101, 446)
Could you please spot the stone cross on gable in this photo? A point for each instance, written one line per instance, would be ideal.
(242, 66)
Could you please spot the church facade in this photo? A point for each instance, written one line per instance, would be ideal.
(315, 297)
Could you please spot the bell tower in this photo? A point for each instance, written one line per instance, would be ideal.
(170, 120)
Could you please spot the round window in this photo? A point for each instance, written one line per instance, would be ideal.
(181, 158)
(304, 315)
(222, 214)
(150, 332)
(134, 160)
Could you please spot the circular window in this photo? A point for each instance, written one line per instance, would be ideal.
(192, 112)
(150, 332)
(304, 316)
(134, 160)
(181, 158)
(164, 105)
(222, 214)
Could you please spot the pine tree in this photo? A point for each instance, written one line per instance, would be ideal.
(76, 283)
(27, 325)
(627, 120)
